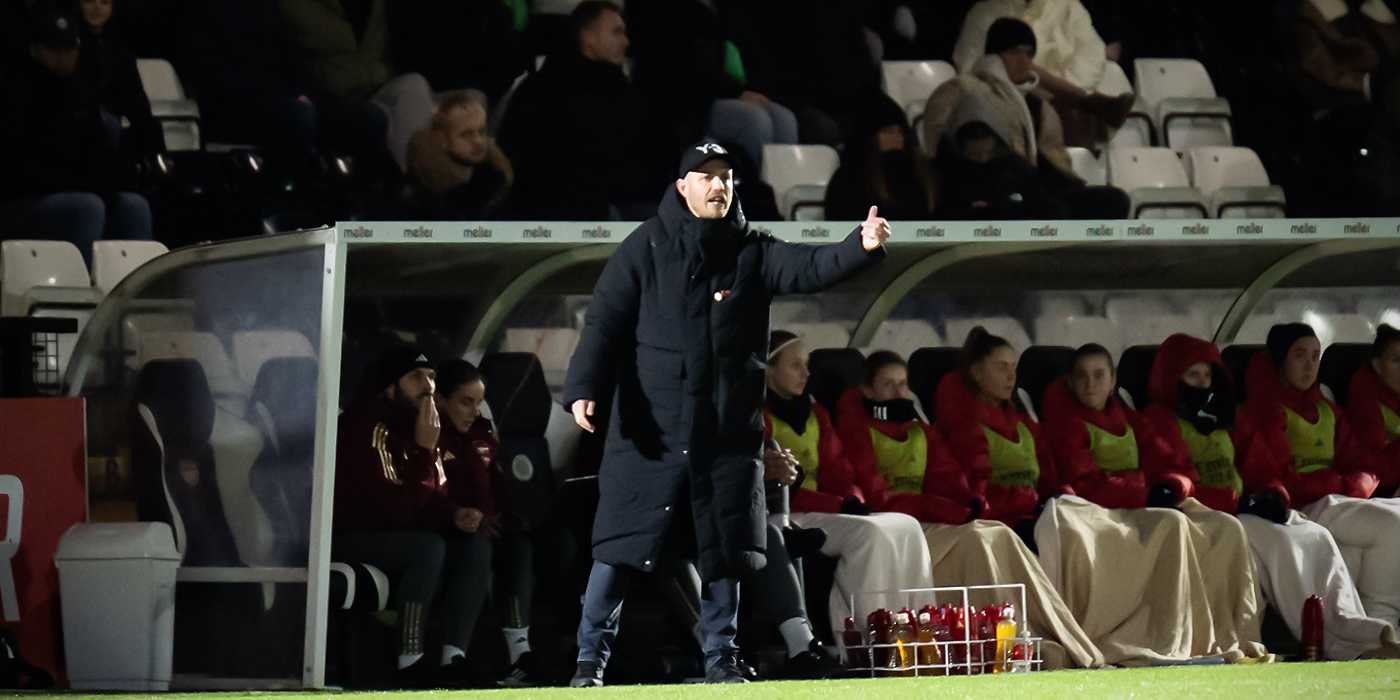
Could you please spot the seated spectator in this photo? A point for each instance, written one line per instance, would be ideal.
(882, 165)
(346, 43)
(455, 170)
(873, 552)
(60, 178)
(1191, 412)
(393, 511)
(1374, 406)
(1070, 62)
(1296, 445)
(689, 67)
(902, 466)
(981, 178)
(107, 64)
(1111, 457)
(238, 60)
(581, 114)
(456, 44)
(1006, 79)
(1346, 51)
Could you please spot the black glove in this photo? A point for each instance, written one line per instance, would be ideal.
(802, 541)
(851, 505)
(1267, 505)
(1162, 496)
(974, 505)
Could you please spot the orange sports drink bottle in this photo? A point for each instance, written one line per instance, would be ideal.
(928, 648)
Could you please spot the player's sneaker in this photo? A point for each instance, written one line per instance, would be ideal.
(588, 675)
(524, 673)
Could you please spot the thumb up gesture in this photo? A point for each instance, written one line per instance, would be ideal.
(874, 231)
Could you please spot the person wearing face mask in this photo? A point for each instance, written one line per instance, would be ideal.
(455, 170)
(980, 177)
(1373, 404)
(1296, 449)
(902, 465)
(882, 164)
(677, 330)
(1005, 78)
(1192, 411)
(1184, 560)
(874, 552)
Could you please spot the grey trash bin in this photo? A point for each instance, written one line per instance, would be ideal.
(116, 584)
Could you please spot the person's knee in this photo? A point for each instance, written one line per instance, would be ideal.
(746, 117)
(430, 549)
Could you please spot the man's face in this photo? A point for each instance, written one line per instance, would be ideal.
(1197, 375)
(414, 388)
(1020, 63)
(787, 373)
(1092, 381)
(980, 150)
(1299, 369)
(62, 60)
(708, 191)
(995, 375)
(463, 407)
(1387, 367)
(891, 382)
(96, 12)
(605, 39)
(465, 134)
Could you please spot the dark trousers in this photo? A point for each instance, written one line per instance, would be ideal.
(602, 606)
(775, 587)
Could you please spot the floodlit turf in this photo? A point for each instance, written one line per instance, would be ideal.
(1358, 679)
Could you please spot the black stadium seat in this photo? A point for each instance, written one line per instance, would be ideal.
(520, 405)
(283, 406)
(1339, 364)
(1236, 359)
(833, 371)
(1039, 367)
(927, 366)
(1134, 371)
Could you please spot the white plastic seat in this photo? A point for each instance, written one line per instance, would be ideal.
(1255, 330)
(178, 115)
(1087, 166)
(1352, 328)
(1074, 331)
(798, 175)
(904, 337)
(112, 261)
(1234, 182)
(205, 348)
(43, 274)
(956, 330)
(1152, 330)
(1181, 98)
(1137, 131)
(1156, 183)
(252, 349)
(820, 335)
(784, 311)
(909, 83)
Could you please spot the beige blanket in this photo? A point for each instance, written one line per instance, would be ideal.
(986, 552)
(1152, 583)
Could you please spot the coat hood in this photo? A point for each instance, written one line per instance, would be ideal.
(954, 402)
(1060, 403)
(1367, 387)
(676, 216)
(1267, 390)
(1175, 354)
(974, 108)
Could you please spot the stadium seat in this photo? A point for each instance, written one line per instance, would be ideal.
(1074, 331)
(1087, 166)
(1340, 361)
(1351, 328)
(251, 349)
(112, 261)
(358, 587)
(956, 330)
(554, 347)
(904, 337)
(1134, 371)
(217, 370)
(1379, 308)
(521, 405)
(1255, 329)
(178, 116)
(47, 279)
(1156, 183)
(832, 372)
(1181, 98)
(283, 406)
(927, 367)
(784, 311)
(1039, 367)
(909, 83)
(1152, 330)
(1236, 359)
(1234, 183)
(820, 335)
(798, 176)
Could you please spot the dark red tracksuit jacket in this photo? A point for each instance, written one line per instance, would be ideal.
(474, 477)
(1066, 430)
(1364, 403)
(383, 479)
(835, 479)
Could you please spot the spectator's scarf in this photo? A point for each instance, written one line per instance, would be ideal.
(993, 70)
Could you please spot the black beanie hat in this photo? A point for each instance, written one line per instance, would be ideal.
(397, 361)
(1283, 336)
(1008, 33)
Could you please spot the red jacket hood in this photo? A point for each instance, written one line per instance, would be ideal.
(1061, 403)
(1174, 355)
(954, 402)
(1366, 386)
(1267, 391)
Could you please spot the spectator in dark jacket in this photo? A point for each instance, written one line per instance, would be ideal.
(882, 165)
(108, 64)
(239, 61)
(980, 177)
(456, 44)
(580, 114)
(60, 171)
(455, 170)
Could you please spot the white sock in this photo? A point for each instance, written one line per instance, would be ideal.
(517, 640)
(406, 660)
(798, 635)
(450, 652)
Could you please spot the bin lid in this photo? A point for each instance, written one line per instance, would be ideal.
(97, 541)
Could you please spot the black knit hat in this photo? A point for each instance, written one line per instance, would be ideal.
(1283, 336)
(1008, 33)
(397, 361)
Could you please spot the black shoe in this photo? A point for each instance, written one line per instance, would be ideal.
(422, 674)
(813, 664)
(802, 541)
(524, 673)
(725, 670)
(462, 674)
(588, 675)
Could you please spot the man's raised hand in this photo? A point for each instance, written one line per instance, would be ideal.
(874, 231)
(425, 431)
(582, 409)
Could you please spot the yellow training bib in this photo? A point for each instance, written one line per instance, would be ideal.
(1113, 453)
(1013, 463)
(1313, 444)
(1392, 423)
(901, 463)
(804, 447)
(1213, 456)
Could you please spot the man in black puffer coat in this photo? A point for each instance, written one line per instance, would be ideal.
(678, 326)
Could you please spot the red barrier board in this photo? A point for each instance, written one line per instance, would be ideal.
(43, 451)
